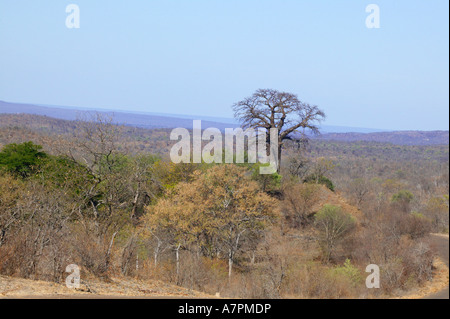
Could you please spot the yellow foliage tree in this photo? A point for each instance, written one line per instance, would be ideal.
(216, 211)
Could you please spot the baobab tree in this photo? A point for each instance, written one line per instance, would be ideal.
(268, 109)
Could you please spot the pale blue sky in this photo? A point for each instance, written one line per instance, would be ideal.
(200, 56)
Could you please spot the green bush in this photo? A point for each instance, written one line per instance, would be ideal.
(349, 271)
(312, 179)
(403, 196)
(22, 159)
(334, 225)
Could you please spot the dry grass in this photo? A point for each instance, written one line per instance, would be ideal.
(22, 288)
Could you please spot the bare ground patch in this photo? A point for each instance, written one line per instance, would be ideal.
(127, 288)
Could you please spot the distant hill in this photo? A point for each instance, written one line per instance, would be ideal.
(141, 120)
(167, 121)
(145, 119)
(399, 137)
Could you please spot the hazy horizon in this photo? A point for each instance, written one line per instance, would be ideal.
(327, 128)
(187, 116)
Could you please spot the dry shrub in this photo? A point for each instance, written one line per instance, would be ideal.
(199, 273)
(11, 257)
(418, 261)
(298, 202)
(24, 256)
(395, 241)
(314, 280)
(92, 252)
(437, 211)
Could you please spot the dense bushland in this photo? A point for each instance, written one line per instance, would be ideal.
(93, 198)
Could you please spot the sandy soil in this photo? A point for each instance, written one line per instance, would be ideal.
(123, 288)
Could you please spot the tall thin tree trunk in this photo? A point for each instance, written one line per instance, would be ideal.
(279, 156)
(230, 264)
(108, 253)
(177, 253)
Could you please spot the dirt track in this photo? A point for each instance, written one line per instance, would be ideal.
(442, 248)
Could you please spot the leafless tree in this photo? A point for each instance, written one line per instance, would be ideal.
(298, 203)
(268, 109)
(359, 189)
